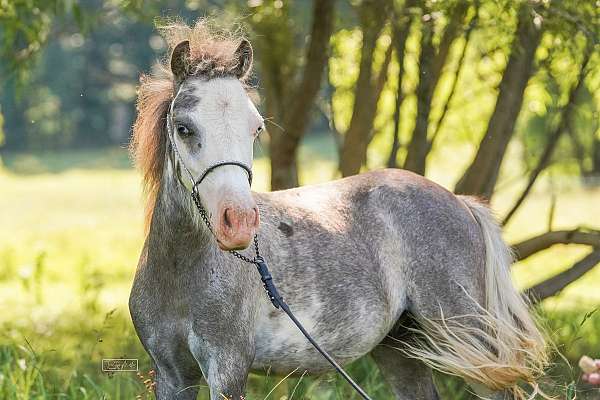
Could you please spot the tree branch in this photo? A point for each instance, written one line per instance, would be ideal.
(554, 285)
(381, 79)
(455, 22)
(536, 244)
(459, 68)
(565, 118)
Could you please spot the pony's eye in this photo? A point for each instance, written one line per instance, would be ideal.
(183, 130)
(260, 129)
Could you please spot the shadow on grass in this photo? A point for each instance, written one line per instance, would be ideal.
(32, 163)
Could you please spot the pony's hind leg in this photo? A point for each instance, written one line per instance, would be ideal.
(408, 379)
(455, 333)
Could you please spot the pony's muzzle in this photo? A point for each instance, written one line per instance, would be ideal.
(237, 226)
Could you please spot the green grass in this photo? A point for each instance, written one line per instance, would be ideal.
(71, 231)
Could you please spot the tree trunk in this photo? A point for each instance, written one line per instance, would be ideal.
(431, 64)
(373, 14)
(401, 30)
(284, 146)
(596, 156)
(14, 109)
(565, 118)
(455, 24)
(391, 162)
(481, 176)
(417, 148)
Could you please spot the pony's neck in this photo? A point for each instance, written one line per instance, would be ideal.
(175, 216)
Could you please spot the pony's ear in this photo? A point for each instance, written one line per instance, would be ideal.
(244, 57)
(180, 60)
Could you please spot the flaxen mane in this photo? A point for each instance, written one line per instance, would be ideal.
(211, 55)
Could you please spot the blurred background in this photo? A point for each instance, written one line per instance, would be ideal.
(498, 99)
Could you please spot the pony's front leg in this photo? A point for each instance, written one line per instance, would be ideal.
(227, 373)
(225, 353)
(175, 386)
(177, 372)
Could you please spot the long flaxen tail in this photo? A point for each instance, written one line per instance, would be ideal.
(501, 346)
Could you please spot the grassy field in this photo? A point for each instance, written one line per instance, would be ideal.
(71, 231)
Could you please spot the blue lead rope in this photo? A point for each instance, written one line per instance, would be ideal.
(267, 280)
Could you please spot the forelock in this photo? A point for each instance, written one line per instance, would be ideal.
(212, 49)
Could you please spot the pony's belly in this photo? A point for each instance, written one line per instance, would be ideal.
(281, 347)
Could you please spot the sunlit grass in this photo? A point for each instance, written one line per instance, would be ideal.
(71, 231)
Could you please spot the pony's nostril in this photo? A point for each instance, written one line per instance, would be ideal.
(255, 217)
(227, 218)
(233, 220)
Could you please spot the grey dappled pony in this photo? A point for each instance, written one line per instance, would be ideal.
(355, 258)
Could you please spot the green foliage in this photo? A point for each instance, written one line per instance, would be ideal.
(84, 87)
(77, 89)
(25, 27)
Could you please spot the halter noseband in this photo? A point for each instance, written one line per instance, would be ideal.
(193, 184)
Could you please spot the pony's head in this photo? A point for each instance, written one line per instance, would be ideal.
(207, 119)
